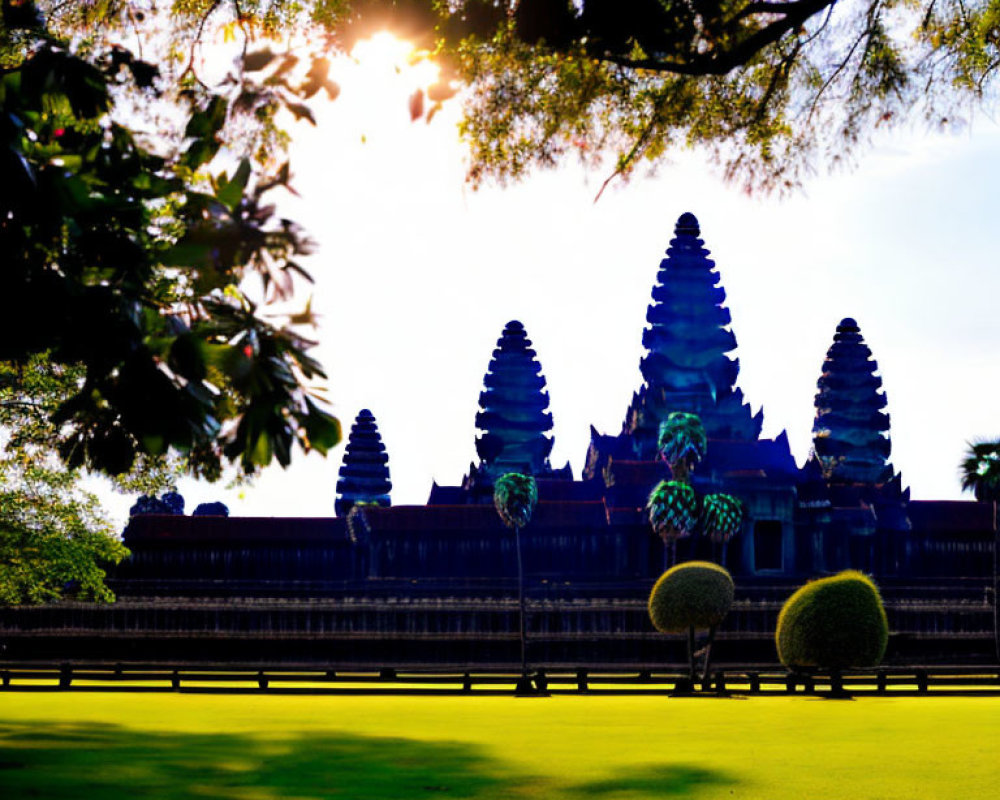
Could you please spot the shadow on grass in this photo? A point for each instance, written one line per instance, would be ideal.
(108, 762)
(668, 780)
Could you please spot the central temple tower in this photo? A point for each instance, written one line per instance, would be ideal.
(687, 366)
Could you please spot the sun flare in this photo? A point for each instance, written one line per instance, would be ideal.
(385, 58)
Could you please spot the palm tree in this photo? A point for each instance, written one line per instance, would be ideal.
(682, 443)
(673, 512)
(515, 496)
(981, 476)
(721, 520)
(672, 505)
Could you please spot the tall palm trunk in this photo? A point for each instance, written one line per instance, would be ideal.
(520, 605)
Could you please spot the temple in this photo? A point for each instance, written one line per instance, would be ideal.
(364, 476)
(434, 584)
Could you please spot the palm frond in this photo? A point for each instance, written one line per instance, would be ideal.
(673, 510)
(515, 496)
(981, 471)
(721, 517)
(682, 442)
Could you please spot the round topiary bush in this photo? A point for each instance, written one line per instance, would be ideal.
(833, 623)
(695, 594)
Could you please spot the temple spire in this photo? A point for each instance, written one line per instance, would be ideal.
(514, 417)
(686, 366)
(364, 474)
(850, 434)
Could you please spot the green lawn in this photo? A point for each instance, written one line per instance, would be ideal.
(159, 745)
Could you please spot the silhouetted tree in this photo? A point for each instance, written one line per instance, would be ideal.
(515, 496)
(981, 476)
(673, 506)
(688, 596)
(682, 443)
(125, 260)
(721, 520)
(673, 512)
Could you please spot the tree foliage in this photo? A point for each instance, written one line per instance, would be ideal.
(515, 496)
(981, 471)
(768, 89)
(682, 443)
(673, 506)
(54, 538)
(125, 257)
(693, 594)
(833, 623)
(688, 596)
(673, 510)
(721, 517)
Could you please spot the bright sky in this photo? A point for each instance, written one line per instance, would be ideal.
(416, 275)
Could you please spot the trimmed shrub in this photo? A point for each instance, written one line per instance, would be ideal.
(695, 594)
(833, 623)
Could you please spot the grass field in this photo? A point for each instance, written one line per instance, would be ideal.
(244, 747)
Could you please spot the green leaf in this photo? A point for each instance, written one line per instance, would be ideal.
(261, 453)
(322, 429)
(205, 124)
(187, 357)
(230, 191)
(199, 152)
(186, 254)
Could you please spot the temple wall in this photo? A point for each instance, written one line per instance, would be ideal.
(929, 623)
(561, 554)
(948, 554)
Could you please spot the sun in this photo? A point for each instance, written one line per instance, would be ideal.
(383, 51)
(384, 58)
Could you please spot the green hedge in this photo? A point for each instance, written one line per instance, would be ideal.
(693, 594)
(833, 623)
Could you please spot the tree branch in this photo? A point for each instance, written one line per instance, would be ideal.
(641, 140)
(196, 42)
(794, 15)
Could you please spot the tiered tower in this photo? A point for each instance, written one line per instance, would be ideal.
(364, 474)
(514, 419)
(686, 366)
(851, 499)
(851, 431)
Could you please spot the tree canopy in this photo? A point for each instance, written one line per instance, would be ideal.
(124, 255)
(55, 540)
(981, 471)
(515, 497)
(771, 90)
(135, 236)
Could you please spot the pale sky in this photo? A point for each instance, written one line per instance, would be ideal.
(416, 275)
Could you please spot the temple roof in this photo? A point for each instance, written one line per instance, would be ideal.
(150, 528)
(772, 457)
(483, 518)
(951, 516)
